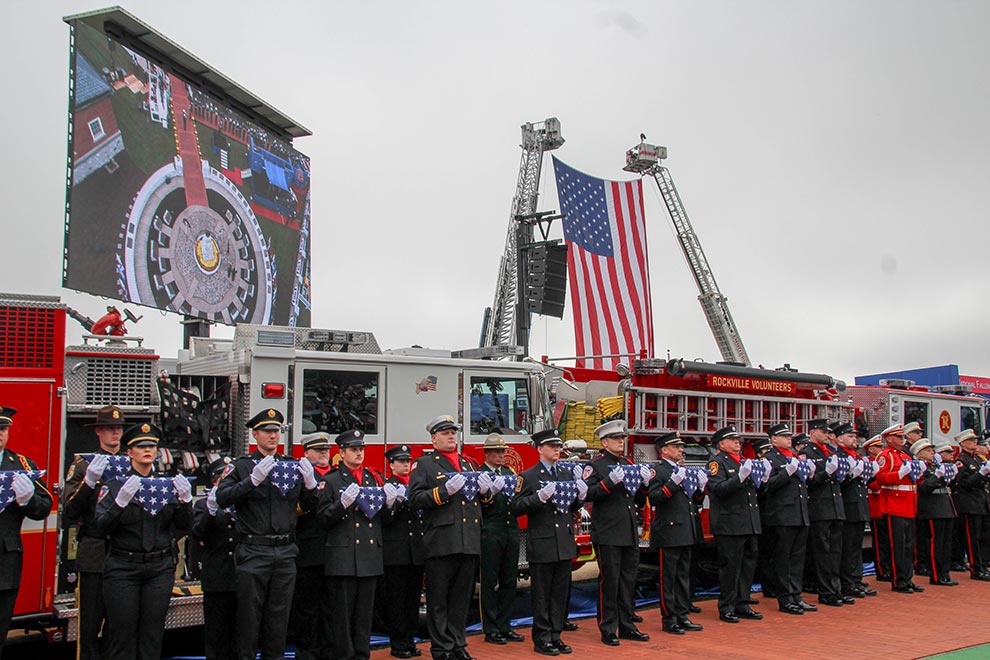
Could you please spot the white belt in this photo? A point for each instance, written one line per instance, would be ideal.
(909, 488)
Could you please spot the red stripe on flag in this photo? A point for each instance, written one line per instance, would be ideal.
(624, 221)
(629, 340)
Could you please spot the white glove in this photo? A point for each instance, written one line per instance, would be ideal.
(767, 464)
(182, 488)
(211, 502)
(938, 458)
(678, 475)
(401, 493)
(791, 466)
(261, 470)
(985, 469)
(940, 471)
(582, 488)
(616, 475)
(23, 488)
(702, 479)
(905, 469)
(547, 491)
(858, 468)
(645, 473)
(128, 491)
(485, 483)
(814, 468)
(307, 472)
(831, 465)
(578, 472)
(745, 469)
(455, 483)
(348, 495)
(391, 493)
(95, 469)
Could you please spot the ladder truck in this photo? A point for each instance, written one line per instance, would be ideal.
(644, 159)
(501, 325)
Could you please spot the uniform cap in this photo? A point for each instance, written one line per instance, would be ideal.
(724, 433)
(353, 438)
(918, 445)
(912, 426)
(495, 441)
(318, 440)
(875, 440)
(968, 434)
(818, 424)
(399, 453)
(669, 439)
(778, 429)
(217, 466)
(832, 426)
(844, 428)
(442, 423)
(800, 440)
(944, 447)
(266, 419)
(616, 428)
(547, 436)
(142, 435)
(5, 416)
(109, 416)
(761, 444)
(893, 429)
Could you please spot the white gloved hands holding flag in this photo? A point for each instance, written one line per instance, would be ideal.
(678, 475)
(547, 491)
(616, 475)
(831, 465)
(128, 491)
(745, 469)
(349, 495)
(94, 471)
(582, 488)
(485, 483)
(455, 483)
(260, 471)
(308, 473)
(791, 466)
(905, 469)
(391, 493)
(23, 488)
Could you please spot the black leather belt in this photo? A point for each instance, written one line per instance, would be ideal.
(269, 539)
(140, 557)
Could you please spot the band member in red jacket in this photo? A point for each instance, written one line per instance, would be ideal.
(899, 505)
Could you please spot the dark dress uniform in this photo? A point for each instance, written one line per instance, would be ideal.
(11, 519)
(827, 512)
(784, 511)
(615, 537)
(735, 522)
(856, 505)
(499, 559)
(353, 560)
(216, 537)
(265, 558)
(452, 538)
(550, 547)
(140, 565)
(973, 505)
(673, 533)
(404, 555)
(936, 515)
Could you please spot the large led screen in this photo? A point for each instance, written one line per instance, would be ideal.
(176, 201)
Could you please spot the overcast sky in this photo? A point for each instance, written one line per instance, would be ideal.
(832, 156)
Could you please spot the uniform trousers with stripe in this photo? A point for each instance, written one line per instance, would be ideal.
(901, 533)
(549, 588)
(617, 566)
(675, 584)
(935, 547)
(449, 590)
(881, 547)
(786, 546)
(972, 529)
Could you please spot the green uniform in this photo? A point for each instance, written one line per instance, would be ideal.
(499, 559)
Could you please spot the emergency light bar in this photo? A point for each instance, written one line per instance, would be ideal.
(488, 352)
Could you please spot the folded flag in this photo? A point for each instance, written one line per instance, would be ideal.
(564, 495)
(844, 468)
(759, 473)
(869, 470)
(117, 466)
(917, 469)
(154, 493)
(284, 475)
(470, 488)
(692, 480)
(633, 479)
(950, 471)
(370, 500)
(570, 467)
(6, 481)
(803, 469)
(507, 484)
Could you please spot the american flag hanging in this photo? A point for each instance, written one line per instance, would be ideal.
(564, 495)
(470, 488)
(117, 466)
(691, 481)
(917, 469)
(803, 469)
(633, 479)
(154, 494)
(608, 266)
(284, 475)
(370, 500)
(7, 490)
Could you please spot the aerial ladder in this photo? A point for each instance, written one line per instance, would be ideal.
(501, 325)
(644, 159)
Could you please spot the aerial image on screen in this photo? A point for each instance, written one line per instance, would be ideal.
(178, 202)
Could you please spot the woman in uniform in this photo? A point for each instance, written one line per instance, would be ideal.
(140, 565)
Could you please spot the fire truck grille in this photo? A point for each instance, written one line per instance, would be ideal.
(29, 337)
(124, 382)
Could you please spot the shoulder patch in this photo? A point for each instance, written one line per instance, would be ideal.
(653, 474)
(72, 470)
(519, 485)
(959, 464)
(713, 468)
(588, 471)
(227, 470)
(881, 460)
(103, 493)
(321, 485)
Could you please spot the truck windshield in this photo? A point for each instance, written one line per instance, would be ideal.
(499, 405)
(971, 419)
(338, 401)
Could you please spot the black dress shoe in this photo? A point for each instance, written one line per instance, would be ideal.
(749, 614)
(415, 652)
(694, 609)
(562, 648)
(461, 654)
(830, 601)
(570, 626)
(807, 607)
(959, 568)
(982, 577)
(847, 600)
(791, 608)
(494, 638)
(637, 618)
(674, 629)
(916, 587)
(635, 636)
(868, 592)
(546, 648)
(922, 571)
(513, 636)
(401, 653)
(691, 626)
(769, 594)
(751, 601)
(610, 639)
(884, 578)
(728, 617)
(902, 590)
(945, 582)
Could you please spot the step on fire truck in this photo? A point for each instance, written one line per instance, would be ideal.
(321, 380)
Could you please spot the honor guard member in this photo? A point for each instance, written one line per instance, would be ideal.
(735, 522)
(140, 566)
(31, 500)
(451, 535)
(82, 483)
(499, 551)
(309, 622)
(912, 433)
(614, 534)
(266, 553)
(354, 547)
(827, 513)
(785, 519)
(550, 543)
(878, 527)
(856, 504)
(899, 504)
(215, 531)
(673, 533)
(404, 556)
(936, 515)
(972, 501)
